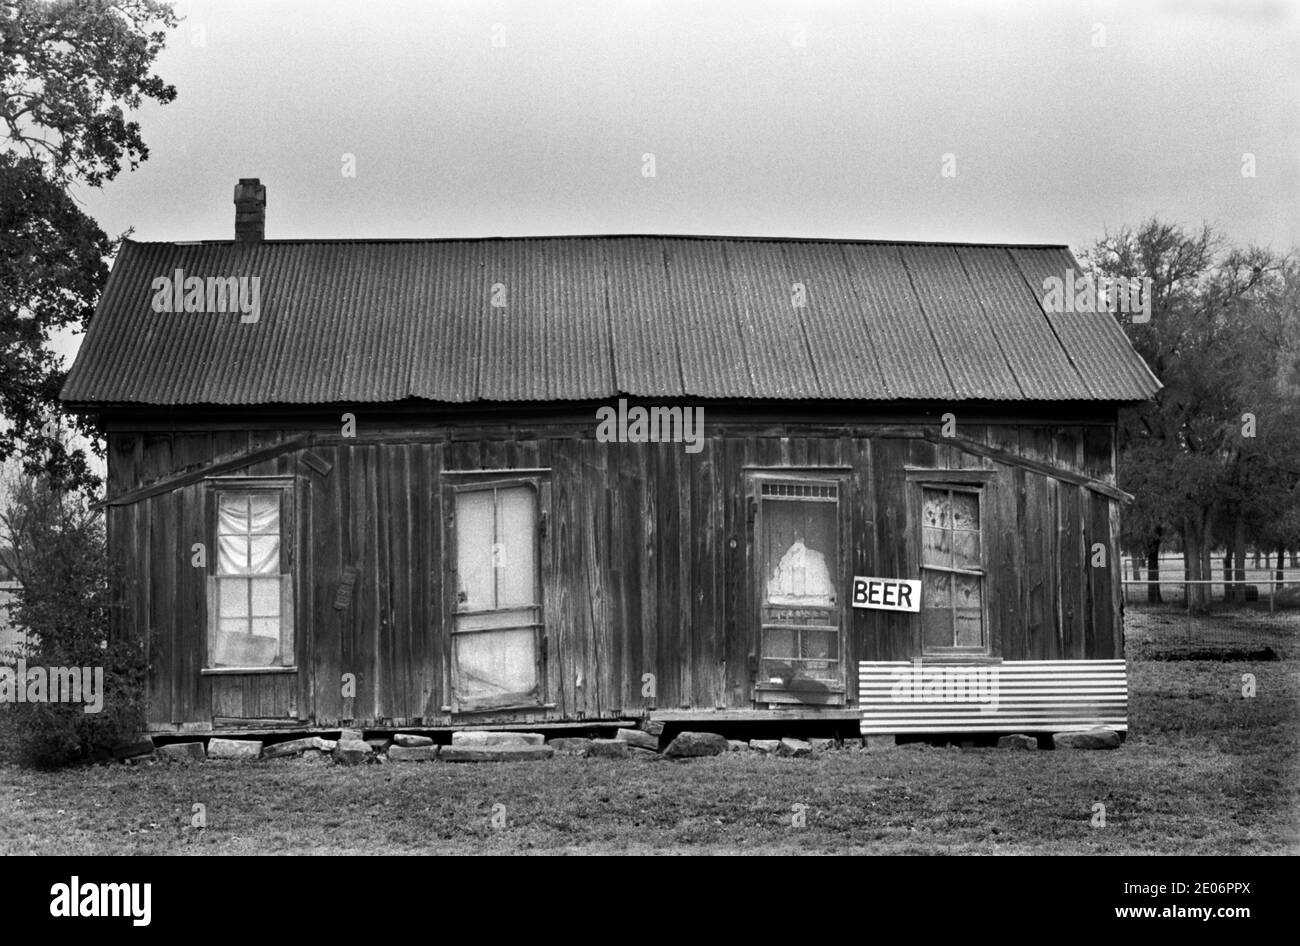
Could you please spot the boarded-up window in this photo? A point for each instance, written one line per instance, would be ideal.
(251, 592)
(952, 563)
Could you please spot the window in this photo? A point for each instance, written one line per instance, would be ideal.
(952, 570)
(799, 564)
(250, 617)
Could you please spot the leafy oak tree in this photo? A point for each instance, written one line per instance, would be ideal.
(1190, 455)
(70, 72)
(1270, 510)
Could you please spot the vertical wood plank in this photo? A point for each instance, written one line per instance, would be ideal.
(162, 514)
(1005, 565)
(399, 509)
(618, 511)
(1038, 515)
(353, 658)
(672, 656)
(1073, 580)
(735, 651)
(380, 629)
(429, 628)
(701, 482)
(191, 614)
(327, 543)
(595, 557)
(571, 654)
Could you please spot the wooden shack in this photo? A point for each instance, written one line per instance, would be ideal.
(554, 481)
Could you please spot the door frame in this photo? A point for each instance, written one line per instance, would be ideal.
(453, 483)
(842, 573)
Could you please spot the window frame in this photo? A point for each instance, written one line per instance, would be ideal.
(976, 482)
(285, 487)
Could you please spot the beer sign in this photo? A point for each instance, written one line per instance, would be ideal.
(887, 594)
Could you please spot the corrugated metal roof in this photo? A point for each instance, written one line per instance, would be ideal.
(583, 318)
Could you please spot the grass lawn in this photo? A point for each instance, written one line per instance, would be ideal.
(1204, 771)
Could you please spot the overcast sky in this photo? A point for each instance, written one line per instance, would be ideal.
(819, 119)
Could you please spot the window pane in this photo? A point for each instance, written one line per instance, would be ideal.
(820, 645)
(778, 643)
(264, 555)
(936, 628)
(966, 549)
(475, 530)
(267, 627)
(232, 555)
(516, 552)
(965, 511)
(236, 646)
(232, 513)
(935, 509)
(936, 547)
(233, 626)
(265, 517)
(936, 589)
(494, 664)
(968, 591)
(232, 598)
(969, 631)
(266, 597)
(799, 551)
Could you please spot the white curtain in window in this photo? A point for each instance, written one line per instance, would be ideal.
(250, 629)
(248, 529)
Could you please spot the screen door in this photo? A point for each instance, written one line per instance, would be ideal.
(798, 574)
(497, 623)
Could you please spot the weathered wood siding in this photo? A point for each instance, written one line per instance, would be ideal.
(651, 551)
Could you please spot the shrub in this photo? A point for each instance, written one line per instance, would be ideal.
(57, 550)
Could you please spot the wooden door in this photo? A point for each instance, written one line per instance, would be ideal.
(497, 622)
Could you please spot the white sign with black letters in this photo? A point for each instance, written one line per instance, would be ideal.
(887, 594)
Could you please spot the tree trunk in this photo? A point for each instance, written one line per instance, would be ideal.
(1153, 571)
(1256, 565)
(1196, 558)
(1207, 543)
(1238, 546)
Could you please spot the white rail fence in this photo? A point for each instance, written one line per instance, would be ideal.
(1259, 586)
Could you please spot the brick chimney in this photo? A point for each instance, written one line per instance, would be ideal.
(250, 210)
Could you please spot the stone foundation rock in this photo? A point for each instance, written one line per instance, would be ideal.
(689, 745)
(241, 749)
(1099, 738)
